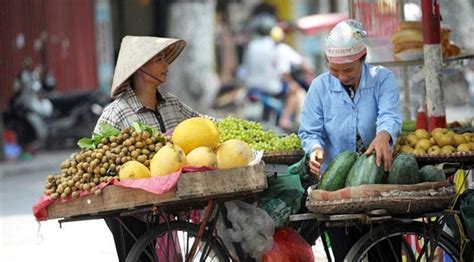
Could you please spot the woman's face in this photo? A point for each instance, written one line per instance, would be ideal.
(156, 69)
(348, 74)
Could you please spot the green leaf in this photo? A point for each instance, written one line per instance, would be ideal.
(106, 130)
(86, 143)
(142, 127)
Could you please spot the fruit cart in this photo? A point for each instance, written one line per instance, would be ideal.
(417, 214)
(194, 190)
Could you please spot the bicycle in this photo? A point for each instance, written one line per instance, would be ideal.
(186, 240)
(427, 233)
(431, 237)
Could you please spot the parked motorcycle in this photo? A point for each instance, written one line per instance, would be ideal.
(43, 120)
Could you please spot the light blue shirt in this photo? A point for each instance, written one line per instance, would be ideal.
(330, 119)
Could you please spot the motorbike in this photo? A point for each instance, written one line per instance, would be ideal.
(41, 119)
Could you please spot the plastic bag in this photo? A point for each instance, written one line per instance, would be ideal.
(288, 245)
(301, 169)
(282, 198)
(251, 226)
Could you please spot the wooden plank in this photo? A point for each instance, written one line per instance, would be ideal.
(191, 187)
(216, 182)
(112, 198)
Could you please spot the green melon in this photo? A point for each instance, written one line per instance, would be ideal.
(404, 170)
(431, 173)
(335, 176)
(365, 172)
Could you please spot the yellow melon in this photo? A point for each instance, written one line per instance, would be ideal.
(195, 132)
(233, 153)
(134, 170)
(202, 156)
(168, 159)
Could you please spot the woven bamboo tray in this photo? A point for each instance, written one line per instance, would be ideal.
(465, 158)
(427, 198)
(283, 157)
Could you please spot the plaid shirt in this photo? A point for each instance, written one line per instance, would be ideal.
(126, 109)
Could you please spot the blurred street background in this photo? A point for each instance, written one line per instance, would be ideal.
(58, 57)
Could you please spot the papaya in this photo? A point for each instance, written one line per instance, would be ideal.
(336, 174)
(404, 170)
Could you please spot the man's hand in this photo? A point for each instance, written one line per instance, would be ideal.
(381, 146)
(315, 161)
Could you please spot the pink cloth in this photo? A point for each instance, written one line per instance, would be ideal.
(155, 185)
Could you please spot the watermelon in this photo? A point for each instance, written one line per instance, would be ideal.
(365, 171)
(431, 173)
(335, 176)
(404, 170)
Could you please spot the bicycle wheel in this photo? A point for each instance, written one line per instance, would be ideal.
(174, 242)
(429, 245)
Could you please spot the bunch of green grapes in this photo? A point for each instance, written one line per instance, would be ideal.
(253, 134)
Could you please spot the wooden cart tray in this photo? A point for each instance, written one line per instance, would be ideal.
(395, 199)
(191, 188)
(283, 157)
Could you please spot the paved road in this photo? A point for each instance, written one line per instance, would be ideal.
(24, 239)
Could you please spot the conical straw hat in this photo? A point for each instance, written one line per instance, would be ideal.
(135, 51)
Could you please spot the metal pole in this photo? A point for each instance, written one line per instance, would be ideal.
(406, 95)
(433, 63)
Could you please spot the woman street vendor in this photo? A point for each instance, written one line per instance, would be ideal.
(354, 106)
(142, 67)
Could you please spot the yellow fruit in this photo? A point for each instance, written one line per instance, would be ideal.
(434, 150)
(195, 132)
(423, 144)
(437, 135)
(471, 146)
(233, 153)
(448, 149)
(451, 132)
(406, 149)
(412, 139)
(439, 129)
(202, 156)
(419, 151)
(134, 170)
(446, 140)
(432, 141)
(467, 137)
(463, 148)
(459, 139)
(168, 159)
(422, 134)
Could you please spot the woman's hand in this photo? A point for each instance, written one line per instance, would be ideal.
(381, 146)
(315, 161)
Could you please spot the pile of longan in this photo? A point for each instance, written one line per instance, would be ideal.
(85, 170)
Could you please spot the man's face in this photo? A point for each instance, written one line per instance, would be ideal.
(157, 67)
(348, 74)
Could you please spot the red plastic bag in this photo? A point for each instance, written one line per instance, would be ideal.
(288, 245)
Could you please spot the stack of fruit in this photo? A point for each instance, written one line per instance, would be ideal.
(142, 152)
(349, 169)
(439, 141)
(253, 133)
